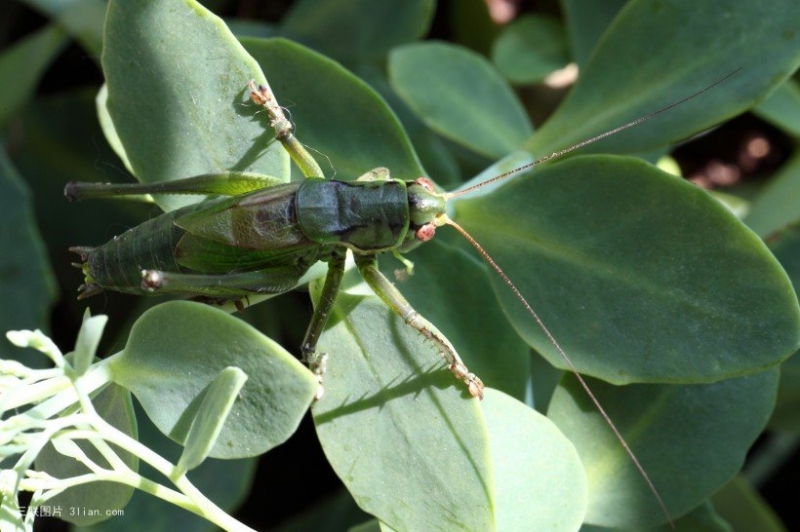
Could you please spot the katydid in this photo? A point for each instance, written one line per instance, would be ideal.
(261, 237)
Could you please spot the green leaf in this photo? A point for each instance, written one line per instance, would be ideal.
(785, 244)
(212, 414)
(397, 428)
(25, 63)
(530, 457)
(690, 439)
(544, 379)
(175, 352)
(776, 204)
(507, 166)
(471, 25)
(107, 124)
(586, 21)
(786, 416)
(460, 95)
(27, 287)
(782, 108)
(88, 339)
(363, 29)
(701, 519)
(740, 504)
(630, 75)
(323, 98)
(178, 97)
(530, 48)
(93, 502)
(641, 276)
(82, 19)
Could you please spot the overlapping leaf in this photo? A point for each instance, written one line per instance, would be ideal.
(641, 276)
(175, 352)
(178, 97)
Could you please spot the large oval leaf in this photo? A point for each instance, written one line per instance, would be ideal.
(358, 29)
(785, 244)
(743, 506)
(691, 440)
(701, 519)
(176, 350)
(460, 95)
(775, 207)
(177, 93)
(657, 52)
(398, 429)
(641, 276)
(530, 48)
(586, 20)
(539, 478)
(782, 108)
(27, 286)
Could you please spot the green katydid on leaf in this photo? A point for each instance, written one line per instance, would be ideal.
(638, 277)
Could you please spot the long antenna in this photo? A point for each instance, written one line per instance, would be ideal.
(594, 139)
(507, 280)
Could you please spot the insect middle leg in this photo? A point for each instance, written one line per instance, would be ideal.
(316, 361)
(385, 289)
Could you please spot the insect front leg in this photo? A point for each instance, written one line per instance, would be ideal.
(383, 288)
(316, 361)
(284, 130)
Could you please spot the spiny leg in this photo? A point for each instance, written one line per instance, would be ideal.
(316, 361)
(284, 130)
(368, 266)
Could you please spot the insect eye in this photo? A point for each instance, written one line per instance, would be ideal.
(425, 232)
(425, 182)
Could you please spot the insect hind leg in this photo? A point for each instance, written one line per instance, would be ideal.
(230, 286)
(368, 266)
(317, 361)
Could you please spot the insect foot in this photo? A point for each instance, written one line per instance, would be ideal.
(318, 364)
(447, 351)
(473, 382)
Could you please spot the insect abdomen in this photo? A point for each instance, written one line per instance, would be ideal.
(118, 264)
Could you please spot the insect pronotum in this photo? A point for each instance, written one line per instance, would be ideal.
(261, 237)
